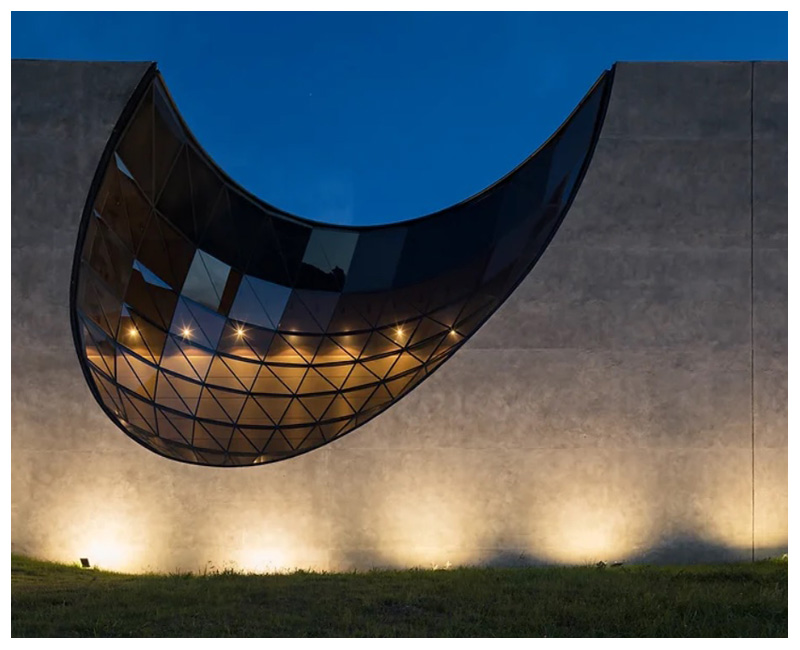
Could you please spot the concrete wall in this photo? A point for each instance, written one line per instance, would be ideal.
(628, 402)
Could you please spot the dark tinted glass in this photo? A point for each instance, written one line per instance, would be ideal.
(216, 330)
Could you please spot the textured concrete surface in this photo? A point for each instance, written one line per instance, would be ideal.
(628, 402)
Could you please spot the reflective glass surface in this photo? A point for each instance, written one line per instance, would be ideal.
(214, 329)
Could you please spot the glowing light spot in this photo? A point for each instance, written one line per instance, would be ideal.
(186, 332)
(240, 332)
(133, 332)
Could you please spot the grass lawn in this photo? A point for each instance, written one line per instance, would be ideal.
(721, 600)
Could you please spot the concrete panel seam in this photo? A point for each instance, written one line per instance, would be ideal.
(752, 340)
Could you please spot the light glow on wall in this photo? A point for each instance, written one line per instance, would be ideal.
(110, 540)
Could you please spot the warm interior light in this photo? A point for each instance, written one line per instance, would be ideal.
(133, 332)
(186, 332)
(399, 331)
(452, 332)
(240, 332)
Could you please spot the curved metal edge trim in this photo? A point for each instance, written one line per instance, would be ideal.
(321, 224)
(111, 145)
(606, 77)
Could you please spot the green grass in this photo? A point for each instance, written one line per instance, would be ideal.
(721, 600)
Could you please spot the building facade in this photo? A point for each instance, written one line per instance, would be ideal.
(626, 401)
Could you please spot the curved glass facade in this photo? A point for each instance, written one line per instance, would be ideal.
(218, 330)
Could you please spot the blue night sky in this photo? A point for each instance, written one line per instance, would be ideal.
(374, 117)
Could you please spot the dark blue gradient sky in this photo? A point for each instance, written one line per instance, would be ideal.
(368, 118)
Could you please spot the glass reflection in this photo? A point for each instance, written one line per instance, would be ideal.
(216, 330)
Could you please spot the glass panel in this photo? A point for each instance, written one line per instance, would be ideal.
(347, 316)
(148, 276)
(167, 395)
(309, 311)
(404, 363)
(317, 405)
(229, 292)
(267, 382)
(259, 302)
(358, 397)
(153, 302)
(339, 408)
(109, 394)
(230, 401)
(297, 435)
(212, 435)
(331, 352)
(168, 431)
(175, 200)
(375, 260)
(312, 440)
(110, 261)
(180, 253)
(278, 445)
(292, 240)
(206, 280)
(151, 337)
(210, 409)
(380, 398)
(379, 344)
(221, 375)
(314, 382)
(188, 391)
(244, 371)
(99, 349)
(139, 413)
(274, 407)
(359, 376)
(184, 425)
(335, 375)
(110, 207)
(381, 366)
(305, 345)
(437, 245)
(353, 344)
(135, 374)
(136, 146)
(193, 323)
(241, 443)
(252, 414)
(233, 231)
(291, 376)
(185, 359)
(206, 189)
(244, 341)
(573, 145)
(168, 140)
(296, 413)
(397, 386)
(327, 259)
(98, 304)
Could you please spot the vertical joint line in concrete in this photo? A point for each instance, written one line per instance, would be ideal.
(752, 338)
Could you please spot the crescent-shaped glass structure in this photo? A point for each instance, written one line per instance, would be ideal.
(215, 329)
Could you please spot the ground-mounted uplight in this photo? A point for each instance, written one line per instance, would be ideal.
(85, 563)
